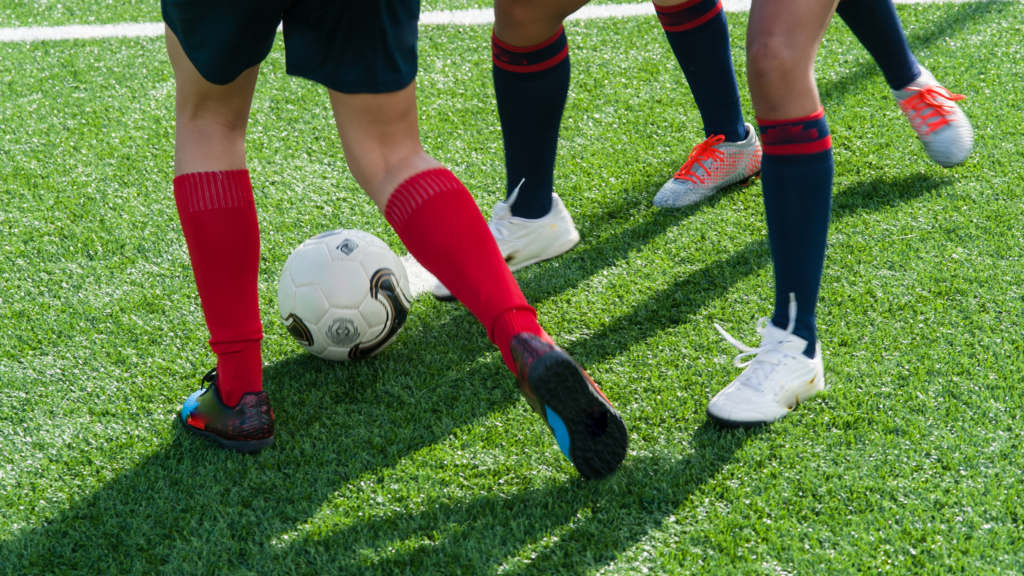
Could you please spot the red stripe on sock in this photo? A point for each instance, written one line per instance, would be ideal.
(816, 116)
(439, 222)
(533, 67)
(798, 147)
(669, 11)
(218, 218)
(534, 48)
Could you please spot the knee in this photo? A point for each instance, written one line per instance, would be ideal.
(777, 66)
(771, 57)
(518, 13)
(220, 118)
(527, 22)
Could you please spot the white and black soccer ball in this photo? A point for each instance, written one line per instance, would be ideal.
(343, 295)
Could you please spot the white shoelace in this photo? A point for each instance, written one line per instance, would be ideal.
(501, 213)
(759, 353)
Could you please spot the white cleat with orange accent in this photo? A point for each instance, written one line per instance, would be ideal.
(776, 380)
(941, 126)
(713, 164)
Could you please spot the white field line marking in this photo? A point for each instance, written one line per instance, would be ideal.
(456, 17)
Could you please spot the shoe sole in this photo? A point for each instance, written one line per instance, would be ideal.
(596, 432)
(743, 183)
(733, 424)
(725, 423)
(569, 245)
(240, 446)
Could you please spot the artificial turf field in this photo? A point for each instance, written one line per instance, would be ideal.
(425, 459)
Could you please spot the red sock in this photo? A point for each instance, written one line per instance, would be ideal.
(218, 217)
(439, 222)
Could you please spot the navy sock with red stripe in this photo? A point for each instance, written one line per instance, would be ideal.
(796, 176)
(531, 86)
(698, 33)
(876, 25)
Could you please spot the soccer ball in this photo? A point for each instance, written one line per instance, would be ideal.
(343, 295)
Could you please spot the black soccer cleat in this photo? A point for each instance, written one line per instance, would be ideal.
(588, 429)
(246, 428)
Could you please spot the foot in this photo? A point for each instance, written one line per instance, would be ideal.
(713, 164)
(940, 124)
(246, 428)
(777, 379)
(587, 428)
(524, 241)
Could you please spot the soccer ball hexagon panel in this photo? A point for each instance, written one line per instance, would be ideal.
(343, 295)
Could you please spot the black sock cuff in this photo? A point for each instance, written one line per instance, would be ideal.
(530, 59)
(689, 16)
(796, 136)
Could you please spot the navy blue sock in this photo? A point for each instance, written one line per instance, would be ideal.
(531, 86)
(699, 36)
(796, 176)
(876, 25)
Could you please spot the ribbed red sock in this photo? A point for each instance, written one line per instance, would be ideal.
(439, 222)
(218, 217)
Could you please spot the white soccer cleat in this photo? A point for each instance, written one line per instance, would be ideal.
(525, 241)
(941, 126)
(776, 380)
(713, 164)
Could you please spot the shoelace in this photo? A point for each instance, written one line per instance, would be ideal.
(759, 353)
(702, 155)
(501, 213)
(931, 106)
(211, 376)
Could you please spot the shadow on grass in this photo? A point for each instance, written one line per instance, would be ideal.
(678, 303)
(597, 252)
(191, 507)
(571, 528)
(600, 248)
(951, 22)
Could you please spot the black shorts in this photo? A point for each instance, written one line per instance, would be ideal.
(351, 46)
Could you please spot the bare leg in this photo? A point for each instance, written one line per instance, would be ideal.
(529, 22)
(381, 138)
(211, 119)
(782, 41)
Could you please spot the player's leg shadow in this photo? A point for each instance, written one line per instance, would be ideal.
(192, 507)
(951, 21)
(573, 527)
(608, 236)
(680, 302)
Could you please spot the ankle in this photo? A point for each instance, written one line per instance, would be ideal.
(238, 372)
(511, 322)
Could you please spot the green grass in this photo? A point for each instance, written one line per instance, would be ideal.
(424, 459)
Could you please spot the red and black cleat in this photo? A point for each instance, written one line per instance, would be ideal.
(246, 428)
(588, 429)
